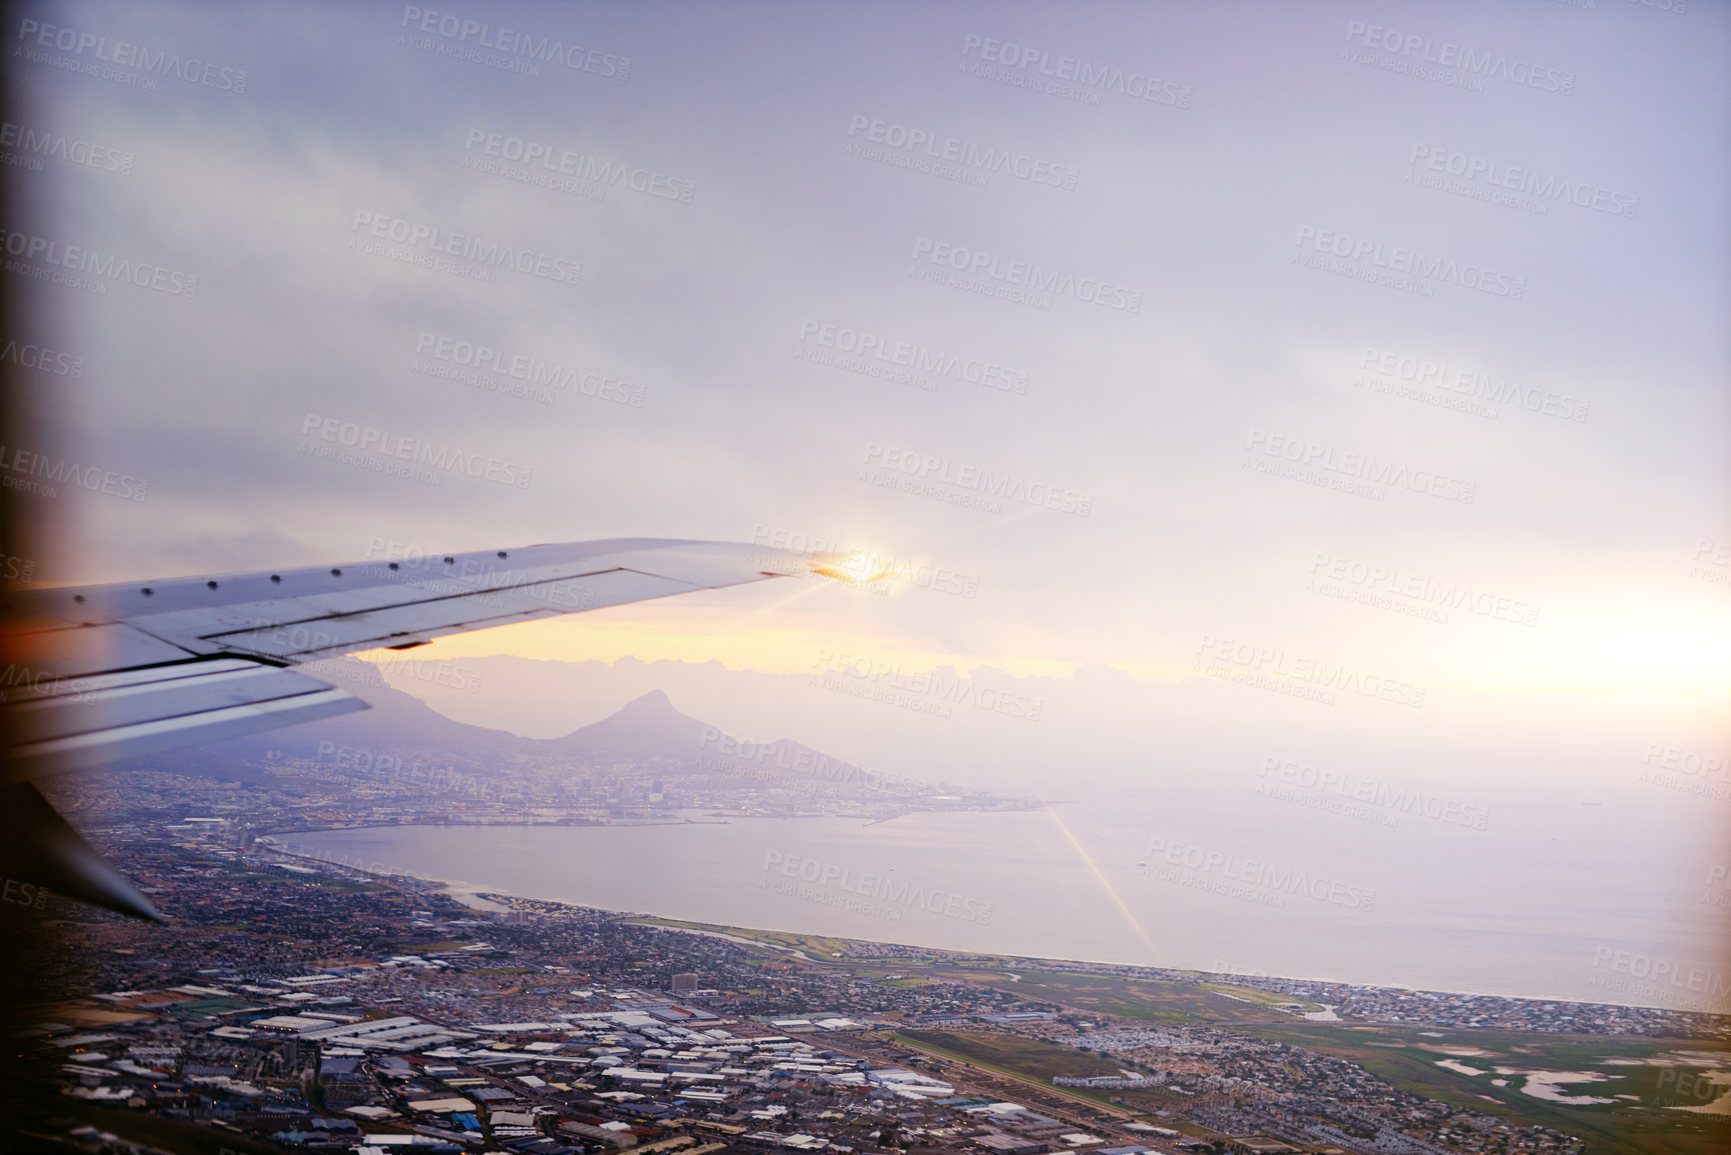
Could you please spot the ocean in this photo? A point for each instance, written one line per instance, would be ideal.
(1528, 904)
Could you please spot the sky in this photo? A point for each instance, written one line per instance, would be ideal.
(1238, 381)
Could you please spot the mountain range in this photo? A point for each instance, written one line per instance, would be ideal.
(647, 729)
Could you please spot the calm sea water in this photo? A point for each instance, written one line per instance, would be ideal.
(1536, 906)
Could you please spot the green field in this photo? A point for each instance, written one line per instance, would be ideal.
(1643, 1118)
(1642, 1123)
(821, 948)
(1144, 1000)
(1030, 1058)
(1285, 1004)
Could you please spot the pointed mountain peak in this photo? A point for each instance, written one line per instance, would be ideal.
(647, 726)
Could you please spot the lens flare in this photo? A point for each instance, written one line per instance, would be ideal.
(856, 568)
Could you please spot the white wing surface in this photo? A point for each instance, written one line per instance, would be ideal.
(116, 671)
(101, 673)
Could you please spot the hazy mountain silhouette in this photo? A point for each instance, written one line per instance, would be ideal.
(401, 726)
(646, 727)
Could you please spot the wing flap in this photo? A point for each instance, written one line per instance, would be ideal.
(72, 723)
(45, 651)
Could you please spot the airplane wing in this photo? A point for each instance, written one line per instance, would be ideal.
(101, 673)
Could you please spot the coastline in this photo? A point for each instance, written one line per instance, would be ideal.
(713, 818)
(469, 894)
